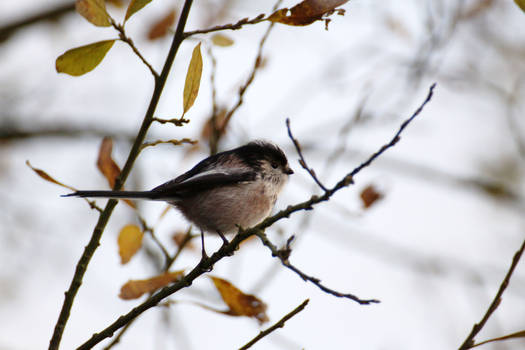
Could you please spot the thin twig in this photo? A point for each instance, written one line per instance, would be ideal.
(116, 340)
(187, 239)
(279, 324)
(175, 121)
(230, 26)
(469, 342)
(94, 241)
(171, 142)
(302, 161)
(206, 263)
(124, 38)
(151, 232)
(283, 254)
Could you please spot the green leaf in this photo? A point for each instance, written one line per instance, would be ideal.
(193, 79)
(521, 4)
(520, 334)
(94, 11)
(135, 6)
(83, 59)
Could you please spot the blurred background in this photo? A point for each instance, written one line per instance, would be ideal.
(434, 249)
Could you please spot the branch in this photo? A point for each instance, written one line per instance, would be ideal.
(171, 142)
(230, 26)
(175, 121)
(279, 324)
(469, 342)
(302, 161)
(94, 242)
(206, 264)
(283, 255)
(124, 38)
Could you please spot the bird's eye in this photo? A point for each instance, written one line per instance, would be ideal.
(275, 165)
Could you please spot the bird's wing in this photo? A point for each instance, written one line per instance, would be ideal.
(178, 189)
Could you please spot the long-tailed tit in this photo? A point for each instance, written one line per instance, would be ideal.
(231, 189)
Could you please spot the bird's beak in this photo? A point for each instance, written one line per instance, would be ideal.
(288, 170)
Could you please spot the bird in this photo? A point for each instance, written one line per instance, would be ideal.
(225, 191)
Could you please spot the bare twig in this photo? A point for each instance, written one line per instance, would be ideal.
(124, 38)
(207, 263)
(171, 142)
(230, 26)
(469, 342)
(283, 255)
(153, 236)
(279, 324)
(175, 121)
(94, 242)
(302, 161)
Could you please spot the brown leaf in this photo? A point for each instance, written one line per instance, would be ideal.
(134, 289)
(129, 242)
(47, 177)
(105, 163)
(94, 11)
(239, 303)
(370, 195)
(161, 27)
(180, 238)
(306, 12)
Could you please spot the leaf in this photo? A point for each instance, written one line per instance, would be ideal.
(94, 11)
(240, 304)
(193, 79)
(369, 195)
(161, 27)
(105, 163)
(134, 289)
(221, 40)
(306, 12)
(135, 6)
(47, 177)
(520, 334)
(521, 4)
(129, 242)
(83, 59)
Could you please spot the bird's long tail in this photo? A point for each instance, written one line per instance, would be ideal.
(113, 194)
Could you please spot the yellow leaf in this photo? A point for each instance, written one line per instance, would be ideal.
(47, 177)
(135, 6)
(240, 304)
(221, 40)
(94, 11)
(129, 242)
(521, 4)
(306, 12)
(193, 79)
(83, 59)
(133, 289)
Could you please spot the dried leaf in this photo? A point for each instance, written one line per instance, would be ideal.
(83, 59)
(240, 304)
(180, 238)
(134, 289)
(161, 27)
(193, 79)
(105, 163)
(94, 11)
(521, 4)
(135, 6)
(520, 334)
(116, 3)
(221, 40)
(47, 177)
(369, 196)
(129, 242)
(306, 12)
